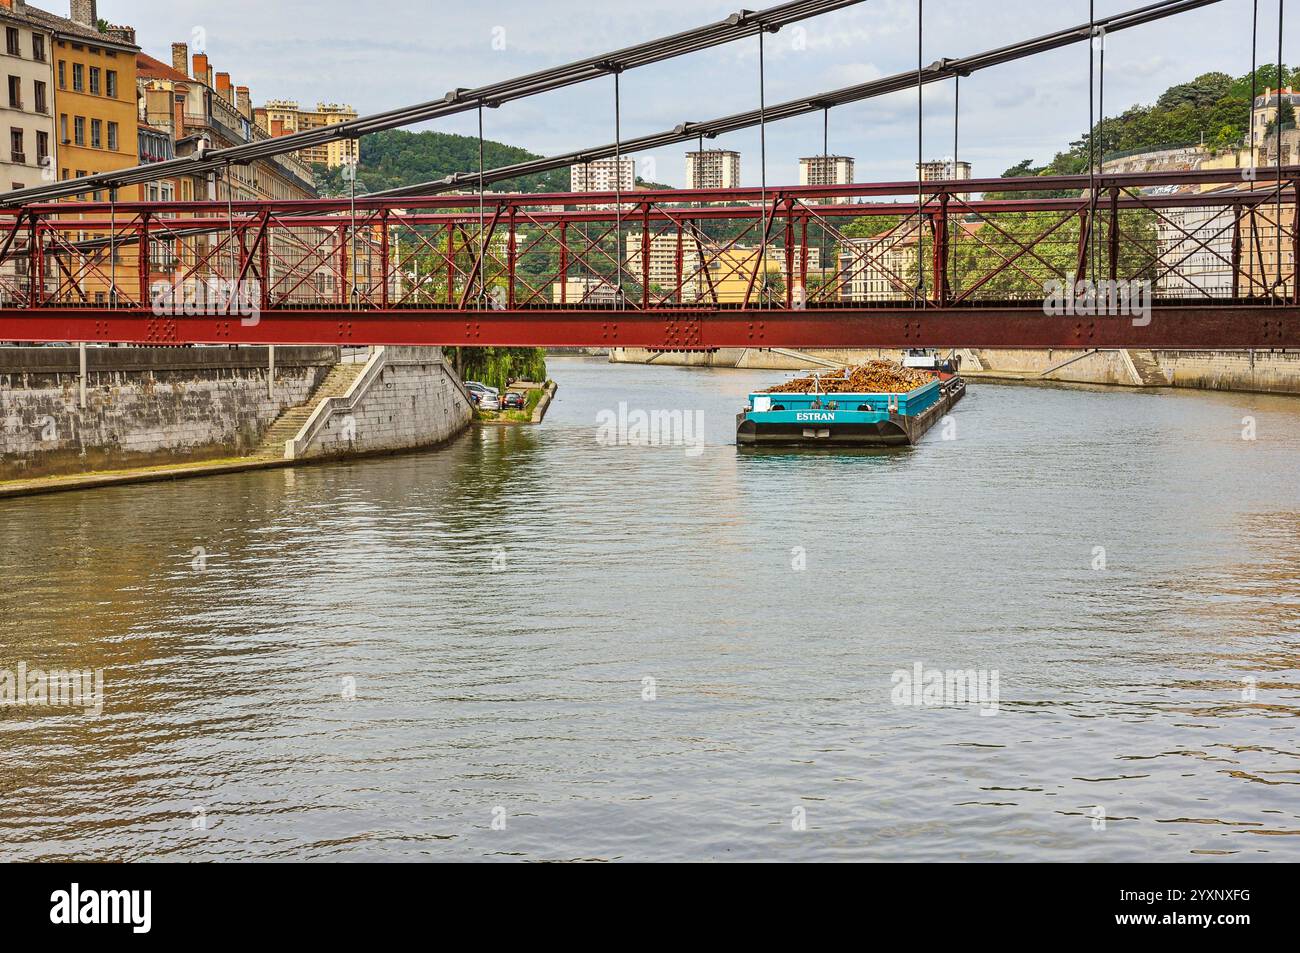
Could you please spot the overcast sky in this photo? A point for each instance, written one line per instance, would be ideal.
(379, 54)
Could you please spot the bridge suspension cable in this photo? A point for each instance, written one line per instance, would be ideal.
(736, 27)
(918, 290)
(1096, 139)
(1254, 72)
(618, 185)
(938, 71)
(761, 265)
(1280, 284)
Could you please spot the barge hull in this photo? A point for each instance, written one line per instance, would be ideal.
(898, 431)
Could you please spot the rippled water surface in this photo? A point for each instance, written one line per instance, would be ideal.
(501, 602)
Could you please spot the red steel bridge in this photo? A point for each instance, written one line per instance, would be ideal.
(1211, 256)
(539, 269)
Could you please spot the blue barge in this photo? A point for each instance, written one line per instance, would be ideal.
(849, 420)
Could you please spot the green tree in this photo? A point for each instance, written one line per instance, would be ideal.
(869, 226)
(397, 158)
(1214, 108)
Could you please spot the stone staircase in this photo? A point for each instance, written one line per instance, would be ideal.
(1148, 369)
(287, 425)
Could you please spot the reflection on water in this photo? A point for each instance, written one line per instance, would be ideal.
(608, 648)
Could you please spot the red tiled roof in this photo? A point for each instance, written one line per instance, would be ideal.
(149, 68)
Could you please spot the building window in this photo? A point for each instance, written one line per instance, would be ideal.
(79, 130)
(63, 130)
(112, 136)
(63, 74)
(96, 134)
(78, 78)
(16, 146)
(110, 84)
(11, 42)
(15, 93)
(42, 100)
(38, 48)
(94, 80)
(42, 147)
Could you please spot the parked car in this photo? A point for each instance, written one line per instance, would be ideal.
(475, 387)
(514, 401)
(489, 402)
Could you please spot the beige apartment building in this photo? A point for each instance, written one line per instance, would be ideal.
(1268, 256)
(198, 108)
(283, 117)
(945, 170)
(728, 273)
(1195, 252)
(713, 169)
(584, 290)
(880, 268)
(29, 157)
(827, 170)
(604, 175)
(736, 272)
(202, 108)
(1266, 109)
(663, 264)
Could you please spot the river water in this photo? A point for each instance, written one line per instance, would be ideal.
(537, 644)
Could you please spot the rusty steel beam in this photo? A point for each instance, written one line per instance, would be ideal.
(1198, 327)
(859, 190)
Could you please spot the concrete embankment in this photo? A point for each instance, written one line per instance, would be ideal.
(404, 398)
(143, 407)
(145, 414)
(1255, 371)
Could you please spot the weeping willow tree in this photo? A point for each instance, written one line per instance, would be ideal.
(498, 366)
